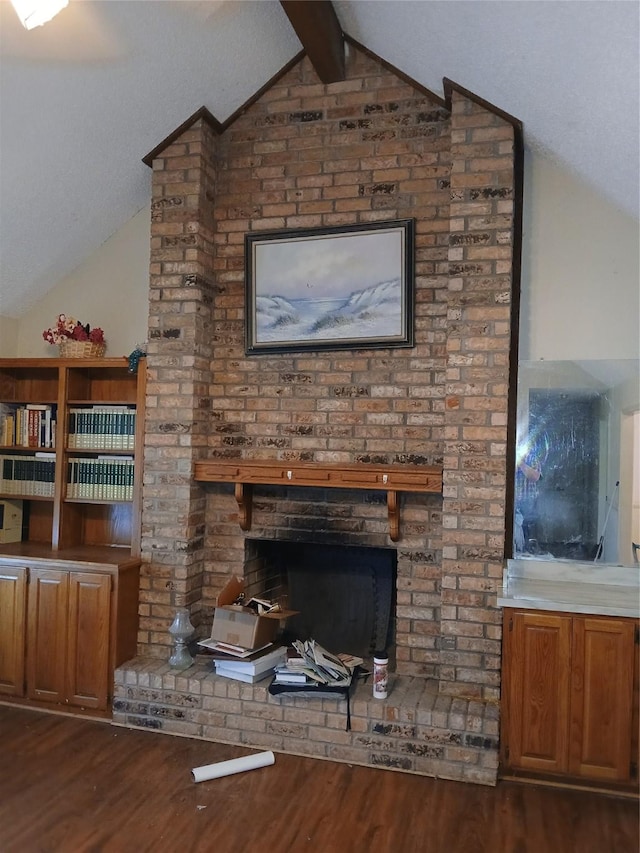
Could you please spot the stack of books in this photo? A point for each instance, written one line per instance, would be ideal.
(313, 666)
(252, 668)
(292, 671)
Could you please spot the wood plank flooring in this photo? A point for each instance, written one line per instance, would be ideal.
(74, 785)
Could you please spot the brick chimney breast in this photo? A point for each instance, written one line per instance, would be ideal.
(369, 149)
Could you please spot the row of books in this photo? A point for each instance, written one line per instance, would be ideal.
(28, 475)
(102, 428)
(31, 425)
(104, 478)
(95, 427)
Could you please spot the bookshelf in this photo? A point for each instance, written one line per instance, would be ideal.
(71, 433)
(71, 442)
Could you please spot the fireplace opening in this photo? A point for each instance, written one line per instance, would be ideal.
(345, 595)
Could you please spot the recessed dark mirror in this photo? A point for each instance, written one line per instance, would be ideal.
(577, 488)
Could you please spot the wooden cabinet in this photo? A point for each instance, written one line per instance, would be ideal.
(47, 635)
(602, 711)
(13, 622)
(79, 624)
(536, 687)
(568, 696)
(68, 637)
(87, 650)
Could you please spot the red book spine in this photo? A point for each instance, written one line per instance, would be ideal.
(34, 428)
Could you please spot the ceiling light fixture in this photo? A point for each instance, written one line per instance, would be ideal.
(34, 13)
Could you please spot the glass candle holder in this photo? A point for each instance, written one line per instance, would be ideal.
(181, 629)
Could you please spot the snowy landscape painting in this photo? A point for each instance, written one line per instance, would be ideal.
(330, 288)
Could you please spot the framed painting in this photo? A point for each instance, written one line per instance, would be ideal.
(330, 288)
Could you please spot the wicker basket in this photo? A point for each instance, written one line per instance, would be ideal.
(71, 348)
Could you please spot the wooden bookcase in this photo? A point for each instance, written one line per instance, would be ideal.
(60, 520)
(69, 586)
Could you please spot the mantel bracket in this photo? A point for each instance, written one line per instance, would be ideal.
(393, 506)
(244, 497)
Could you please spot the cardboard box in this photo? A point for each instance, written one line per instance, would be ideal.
(240, 626)
(10, 521)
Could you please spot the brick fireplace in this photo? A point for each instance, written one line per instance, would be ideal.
(374, 147)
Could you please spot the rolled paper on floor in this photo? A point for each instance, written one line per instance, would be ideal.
(235, 765)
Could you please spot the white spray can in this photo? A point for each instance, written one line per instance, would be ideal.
(380, 675)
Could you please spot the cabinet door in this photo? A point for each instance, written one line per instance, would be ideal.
(88, 644)
(602, 698)
(13, 601)
(538, 646)
(47, 634)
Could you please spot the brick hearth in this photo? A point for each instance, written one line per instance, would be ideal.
(417, 729)
(305, 154)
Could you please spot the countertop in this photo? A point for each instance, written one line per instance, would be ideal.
(571, 587)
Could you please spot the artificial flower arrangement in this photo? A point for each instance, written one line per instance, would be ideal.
(68, 328)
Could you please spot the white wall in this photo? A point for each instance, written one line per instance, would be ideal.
(580, 274)
(110, 289)
(8, 336)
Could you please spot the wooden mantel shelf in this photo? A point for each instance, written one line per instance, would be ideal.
(389, 478)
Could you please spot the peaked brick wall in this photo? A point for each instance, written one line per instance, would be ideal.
(368, 149)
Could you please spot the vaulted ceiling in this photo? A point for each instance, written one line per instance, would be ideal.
(84, 98)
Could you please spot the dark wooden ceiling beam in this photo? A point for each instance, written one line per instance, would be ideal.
(316, 25)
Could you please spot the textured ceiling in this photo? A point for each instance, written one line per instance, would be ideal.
(85, 97)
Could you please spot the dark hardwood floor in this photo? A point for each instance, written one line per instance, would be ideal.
(73, 785)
